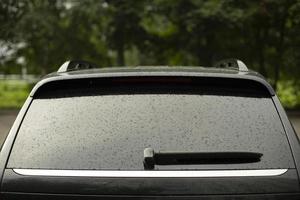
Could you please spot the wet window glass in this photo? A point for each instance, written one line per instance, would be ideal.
(112, 131)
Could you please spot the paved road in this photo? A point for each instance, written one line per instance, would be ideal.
(295, 119)
(7, 118)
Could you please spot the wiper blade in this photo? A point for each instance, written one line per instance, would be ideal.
(152, 158)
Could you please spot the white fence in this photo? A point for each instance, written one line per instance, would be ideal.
(30, 78)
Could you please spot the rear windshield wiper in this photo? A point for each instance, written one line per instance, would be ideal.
(152, 158)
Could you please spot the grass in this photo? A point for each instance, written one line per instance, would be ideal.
(13, 93)
(289, 94)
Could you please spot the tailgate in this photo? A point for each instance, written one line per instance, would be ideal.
(14, 183)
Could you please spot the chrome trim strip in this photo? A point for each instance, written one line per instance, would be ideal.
(151, 174)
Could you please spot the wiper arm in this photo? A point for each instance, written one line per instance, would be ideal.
(152, 158)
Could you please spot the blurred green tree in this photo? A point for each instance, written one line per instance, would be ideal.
(263, 33)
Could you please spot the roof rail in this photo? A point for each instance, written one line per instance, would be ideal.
(73, 65)
(231, 63)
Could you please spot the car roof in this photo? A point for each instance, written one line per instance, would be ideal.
(155, 71)
(151, 69)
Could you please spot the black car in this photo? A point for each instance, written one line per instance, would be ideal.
(151, 133)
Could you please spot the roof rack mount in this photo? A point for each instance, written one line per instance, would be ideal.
(73, 65)
(232, 63)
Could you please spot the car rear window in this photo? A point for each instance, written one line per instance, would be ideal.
(109, 130)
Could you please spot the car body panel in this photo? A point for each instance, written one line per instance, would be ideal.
(44, 196)
(290, 133)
